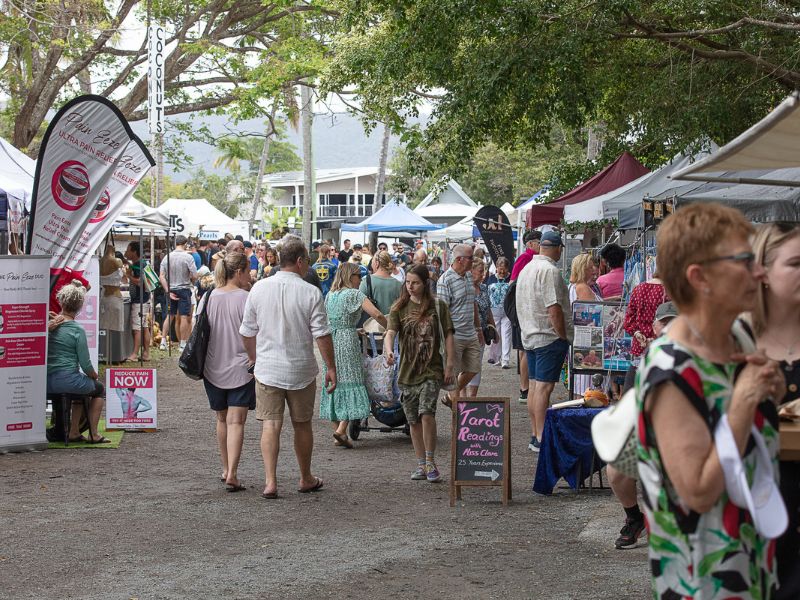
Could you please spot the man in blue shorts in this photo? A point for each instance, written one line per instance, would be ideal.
(545, 321)
(177, 274)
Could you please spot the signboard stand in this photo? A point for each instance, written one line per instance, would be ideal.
(600, 344)
(481, 446)
(131, 399)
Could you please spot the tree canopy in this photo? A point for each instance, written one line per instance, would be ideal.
(240, 54)
(655, 77)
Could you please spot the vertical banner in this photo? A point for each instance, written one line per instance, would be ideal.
(496, 232)
(155, 79)
(80, 153)
(131, 399)
(90, 313)
(24, 288)
(131, 168)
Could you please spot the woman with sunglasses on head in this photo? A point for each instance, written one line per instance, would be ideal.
(692, 385)
(349, 401)
(776, 323)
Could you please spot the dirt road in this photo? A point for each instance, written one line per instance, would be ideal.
(152, 520)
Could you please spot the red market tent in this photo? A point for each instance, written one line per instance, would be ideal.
(623, 170)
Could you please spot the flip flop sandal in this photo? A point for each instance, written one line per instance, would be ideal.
(100, 440)
(343, 440)
(269, 495)
(235, 488)
(79, 440)
(316, 487)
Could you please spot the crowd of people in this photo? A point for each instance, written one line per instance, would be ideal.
(706, 399)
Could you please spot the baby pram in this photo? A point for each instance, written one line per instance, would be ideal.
(383, 391)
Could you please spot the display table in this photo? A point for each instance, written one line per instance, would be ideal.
(566, 449)
(790, 441)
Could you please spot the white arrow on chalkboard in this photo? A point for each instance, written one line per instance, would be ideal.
(493, 474)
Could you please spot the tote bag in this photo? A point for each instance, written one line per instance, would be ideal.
(193, 358)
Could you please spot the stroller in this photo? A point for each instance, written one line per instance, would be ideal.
(383, 391)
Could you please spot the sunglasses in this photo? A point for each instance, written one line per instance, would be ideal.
(746, 258)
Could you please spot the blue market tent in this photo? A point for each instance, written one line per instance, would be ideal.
(394, 217)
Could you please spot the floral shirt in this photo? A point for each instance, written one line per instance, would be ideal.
(718, 554)
(484, 304)
(645, 299)
(498, 288)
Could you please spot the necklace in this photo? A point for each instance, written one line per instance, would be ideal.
(696, 333)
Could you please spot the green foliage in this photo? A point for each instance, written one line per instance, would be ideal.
(658, 76)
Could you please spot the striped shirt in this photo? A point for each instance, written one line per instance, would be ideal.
(458, 293)
(285, 315)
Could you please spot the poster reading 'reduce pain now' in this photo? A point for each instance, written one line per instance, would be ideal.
(24, 288)
(131, 399)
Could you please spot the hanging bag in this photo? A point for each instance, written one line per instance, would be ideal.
(379, 378)
(193, 358)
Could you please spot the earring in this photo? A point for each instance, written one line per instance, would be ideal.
(707, 291)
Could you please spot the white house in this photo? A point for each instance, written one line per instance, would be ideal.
(344, 195)
(449, 206)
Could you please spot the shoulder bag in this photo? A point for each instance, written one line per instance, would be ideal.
(193, 358)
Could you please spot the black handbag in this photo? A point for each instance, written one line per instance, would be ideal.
(193, 358)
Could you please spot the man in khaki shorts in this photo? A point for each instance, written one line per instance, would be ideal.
(455, 289)
(283, 317)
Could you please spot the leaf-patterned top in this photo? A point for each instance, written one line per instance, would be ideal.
(717, 554)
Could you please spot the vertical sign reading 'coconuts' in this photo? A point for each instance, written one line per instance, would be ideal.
(85, 145)
(24, 287)
(481, 446)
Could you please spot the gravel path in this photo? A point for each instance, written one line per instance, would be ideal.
(152, 520)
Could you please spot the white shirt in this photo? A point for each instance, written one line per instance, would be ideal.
(285, 315)
(540, 286)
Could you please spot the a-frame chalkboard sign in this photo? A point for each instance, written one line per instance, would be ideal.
(481, 446)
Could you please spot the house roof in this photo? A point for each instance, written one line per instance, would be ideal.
(293, 178)
(452, 193)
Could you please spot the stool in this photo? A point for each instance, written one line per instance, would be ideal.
(62, 411)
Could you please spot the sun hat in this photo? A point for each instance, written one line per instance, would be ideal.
(763, 499)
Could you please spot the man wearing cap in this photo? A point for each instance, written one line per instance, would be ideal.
(545, 319)
(313, 256)
(532, 240)
(177, 274)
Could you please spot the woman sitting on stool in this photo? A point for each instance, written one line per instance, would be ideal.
(67, 350)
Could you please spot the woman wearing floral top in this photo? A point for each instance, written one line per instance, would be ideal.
(498, 285)
(702, 546)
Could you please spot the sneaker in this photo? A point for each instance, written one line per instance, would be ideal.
(163, 345)
(182, 346)
(630, 533)
(491, 361)
(508, 367)
(433, 474)
(523, 396)
(534, 445)
(419, 474)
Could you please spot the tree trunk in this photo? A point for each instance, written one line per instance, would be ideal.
(262, 165)
(307, 120)
(380, 184)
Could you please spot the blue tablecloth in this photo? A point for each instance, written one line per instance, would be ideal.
(567, 439)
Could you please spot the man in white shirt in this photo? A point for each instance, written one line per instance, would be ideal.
(283, 317)
(545, 321)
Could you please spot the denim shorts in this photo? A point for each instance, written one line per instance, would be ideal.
(74, 382)
(544, 364)
(220, 399)
(183, 304)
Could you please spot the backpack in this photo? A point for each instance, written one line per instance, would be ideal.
(510, 304)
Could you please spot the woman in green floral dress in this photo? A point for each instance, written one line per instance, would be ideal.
(702, 546)
(349, 401)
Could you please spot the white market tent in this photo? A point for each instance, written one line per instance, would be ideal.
(607, 206)
(198, 217)
(463, 230)
(16, 178)
(770, 146)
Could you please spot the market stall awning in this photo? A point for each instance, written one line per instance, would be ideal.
(771, 145)
(394, 217)
(608, 205)
(16, 173)
(623, 170)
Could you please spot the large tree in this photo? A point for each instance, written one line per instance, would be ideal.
(657, 76)
(219, 53)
